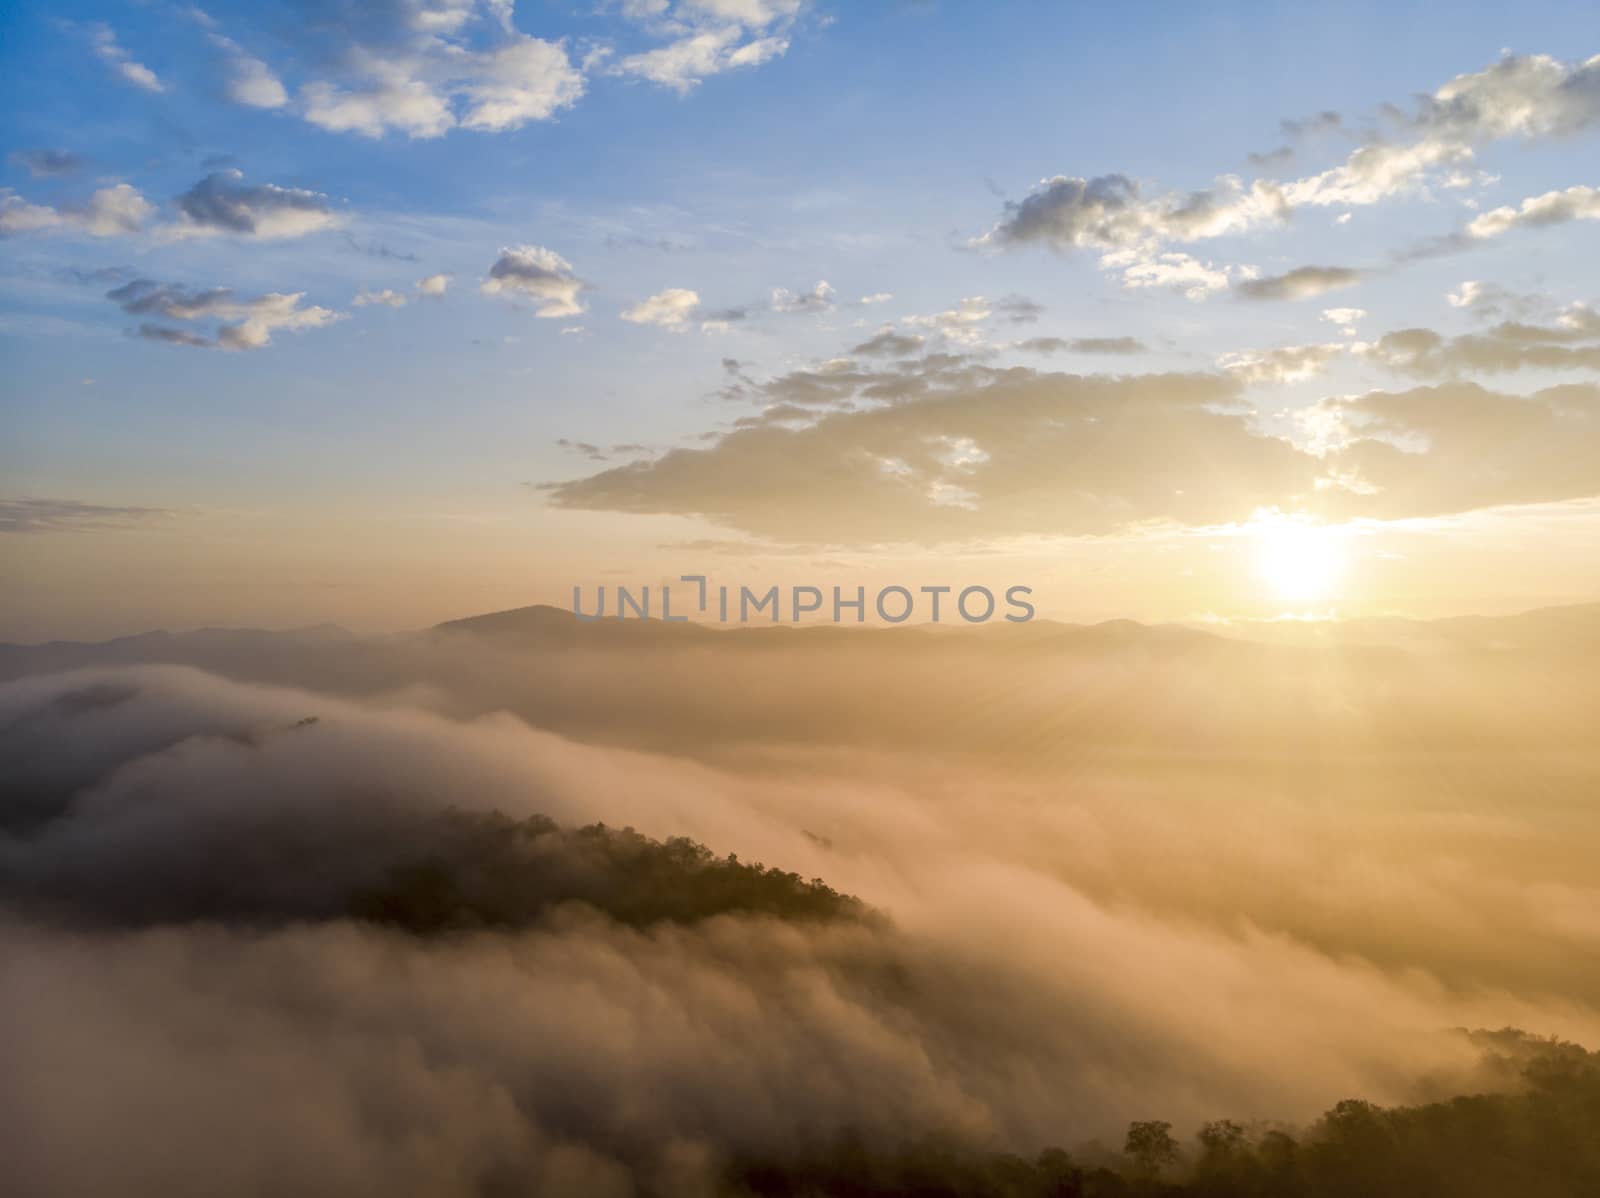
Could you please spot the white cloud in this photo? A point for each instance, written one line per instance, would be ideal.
(113, 211)
(19, 216)
(818, 299)
(669, 309)
(249, 81)
(433, 285)
(755, 14)
(960, 323)
(708, 37)
(1531, 97)
(1286, 364)
(1528, 96)
(387, 297)
(461, 64)
(1345, 319)
(683, 64)
(389, 100)
(113, 55)
(974, 309)
(538, 274)
(528, 80)
(1551, 208)
(1375, 172)
(1194, 279)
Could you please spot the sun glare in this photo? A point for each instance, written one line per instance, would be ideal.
(1298, 559)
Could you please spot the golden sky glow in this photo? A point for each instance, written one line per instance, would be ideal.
(390, 356)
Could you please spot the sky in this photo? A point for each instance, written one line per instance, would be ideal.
(388, 313)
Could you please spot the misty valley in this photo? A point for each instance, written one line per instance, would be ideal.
(525, 904)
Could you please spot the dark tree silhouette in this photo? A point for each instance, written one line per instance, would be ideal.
(1539, 1137)
(1151, 1146)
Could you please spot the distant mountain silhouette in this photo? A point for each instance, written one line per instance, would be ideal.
(1569, 629)
(543, 624)
(1574, 628)
(213, 648)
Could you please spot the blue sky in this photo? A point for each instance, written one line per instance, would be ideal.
(871, 147)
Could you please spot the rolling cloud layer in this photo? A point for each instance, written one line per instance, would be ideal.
(240, 915)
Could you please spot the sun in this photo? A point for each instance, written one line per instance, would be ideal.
(1298, 559)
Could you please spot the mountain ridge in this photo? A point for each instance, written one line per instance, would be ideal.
(1517, 630)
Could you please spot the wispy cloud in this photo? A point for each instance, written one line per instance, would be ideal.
(73, 515)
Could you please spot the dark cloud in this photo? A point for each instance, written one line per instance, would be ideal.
(378, 249)
(1273, 160)
(1110, 213)
(949, 448)
(634, 241)
(1482, 449)
(1082, 345)
(46, 164)
(1323, 122)
(140, 297)
(100, 276)
(540, 275)
(171, 336)
(1508, 346)
(1491, 301)
(889, 344)
(587, 449)
(223, 203)
(960, 451)
(236, 322)
(1069, 212)
(1019, 309)
(1301, 283)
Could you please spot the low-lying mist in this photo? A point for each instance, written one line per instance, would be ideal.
(459, 915)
